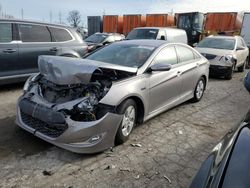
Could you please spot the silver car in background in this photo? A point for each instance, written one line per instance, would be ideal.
(88, 105)
(225, 54)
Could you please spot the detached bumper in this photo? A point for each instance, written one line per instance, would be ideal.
(218, 70)
(79, 137)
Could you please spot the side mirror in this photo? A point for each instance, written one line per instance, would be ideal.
(160, 67)
(163, 37)
(240, 48)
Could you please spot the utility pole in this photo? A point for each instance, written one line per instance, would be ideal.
(22, 13)
(50, 16)
(60, 17)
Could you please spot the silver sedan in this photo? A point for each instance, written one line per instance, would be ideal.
(88, 105)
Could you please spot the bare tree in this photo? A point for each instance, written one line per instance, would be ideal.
(74, 18)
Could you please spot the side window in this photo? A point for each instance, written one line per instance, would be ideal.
(166, 55)
(34, 33)
(60, 35)
(5, 32)
(184, 53)
(241, 43)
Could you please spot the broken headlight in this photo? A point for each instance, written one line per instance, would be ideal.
(31, 79)
(227, 58)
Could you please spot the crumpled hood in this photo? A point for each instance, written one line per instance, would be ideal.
(217, 52)
(66, 70)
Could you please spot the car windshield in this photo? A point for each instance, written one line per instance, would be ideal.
(129, 55)
(217, 43)
(142, 34)
(96, 38)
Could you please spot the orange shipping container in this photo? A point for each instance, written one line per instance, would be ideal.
(159, 20)
(132, 21)
(112, 24)
(220, 22)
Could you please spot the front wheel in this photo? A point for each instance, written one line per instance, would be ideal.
(199, 90)
(242, 67)
(129, 110)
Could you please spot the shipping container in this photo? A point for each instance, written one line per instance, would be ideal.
(222, 22)
(132, 21)
(159, 20)
(112, 24)
(94, 24)
(245, 29)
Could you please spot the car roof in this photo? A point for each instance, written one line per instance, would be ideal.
(166, 28)
(33, 22)
(222, 37)
(143, 42)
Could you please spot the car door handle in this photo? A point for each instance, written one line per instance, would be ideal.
(54, 49)
(9, 51)
(179, 73)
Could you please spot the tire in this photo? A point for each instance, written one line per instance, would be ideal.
(229, 75)
(242, 67)
(199, 90)
(128, 123)
(247, 63)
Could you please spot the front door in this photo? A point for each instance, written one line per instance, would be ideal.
(164, 86)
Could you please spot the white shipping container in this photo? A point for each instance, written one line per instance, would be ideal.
(245, 30)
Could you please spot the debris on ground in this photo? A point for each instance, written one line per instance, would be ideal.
(136, 145)
(125, 169)
(180, 132)
(109, 167)
(137, 177)
(47, 173)
(167, 178)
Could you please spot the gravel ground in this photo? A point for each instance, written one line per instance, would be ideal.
(171, 148)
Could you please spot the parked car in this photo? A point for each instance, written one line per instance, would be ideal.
(225, 54)
(88, 105)
(228, 164)
(98, 40)
(158, 33)
(21, 42)
(247, 81)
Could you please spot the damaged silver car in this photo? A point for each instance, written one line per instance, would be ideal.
(89, 105)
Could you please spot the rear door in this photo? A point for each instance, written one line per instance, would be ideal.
(36, 40)
(8, 50)
(164, 86)
(189, 69)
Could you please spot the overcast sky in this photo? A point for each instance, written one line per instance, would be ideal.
(40, 9)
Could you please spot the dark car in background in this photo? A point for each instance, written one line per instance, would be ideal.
(21, 42)
(228, 164)
(98, 40)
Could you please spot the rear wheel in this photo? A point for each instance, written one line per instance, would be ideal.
(129, 110)
(199, 90)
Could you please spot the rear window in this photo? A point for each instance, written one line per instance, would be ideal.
(5, 32)
(185, 54)
(143, 34)
(60, 35)
(34, 33)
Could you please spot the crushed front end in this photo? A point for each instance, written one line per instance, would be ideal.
(64, 109)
